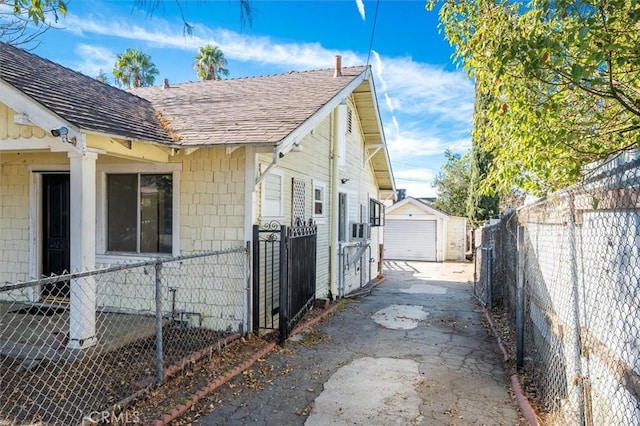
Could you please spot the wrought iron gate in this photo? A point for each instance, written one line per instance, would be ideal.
(284, 275)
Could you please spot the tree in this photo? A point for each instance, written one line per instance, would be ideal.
(210, 63)
(452, 183)
(480, 205)
(102, 77)
(562, 79)
(28, 19)
(134, 69)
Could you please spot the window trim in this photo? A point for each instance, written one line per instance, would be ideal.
(376, 213)
(322, 186)
(275, 172)
(104, 256)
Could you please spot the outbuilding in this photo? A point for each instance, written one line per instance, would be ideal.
(416, 231)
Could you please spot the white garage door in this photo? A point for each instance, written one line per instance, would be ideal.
(410, 240)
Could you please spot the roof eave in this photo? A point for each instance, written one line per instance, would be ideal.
(295, 137)
(40, 115)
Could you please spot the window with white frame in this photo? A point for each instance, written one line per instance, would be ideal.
(319, 194)
(272, 186)
(139, 213)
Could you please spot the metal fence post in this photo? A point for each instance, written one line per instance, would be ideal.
(283, 300)
(159, 369)
(520, 301)
(489, 253)
(246, 324)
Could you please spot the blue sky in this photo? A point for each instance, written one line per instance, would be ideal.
(425, 103)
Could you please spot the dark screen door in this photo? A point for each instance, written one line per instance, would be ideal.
(55, 232)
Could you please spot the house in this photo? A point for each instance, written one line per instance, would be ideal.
(416, 231)
(205, 161)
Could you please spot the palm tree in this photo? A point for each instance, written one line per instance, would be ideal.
(134, 69)
(102, 77)
(210, 63)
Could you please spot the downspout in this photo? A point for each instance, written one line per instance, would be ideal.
(338, 124)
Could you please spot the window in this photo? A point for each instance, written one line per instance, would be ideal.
(272, 194)
(318, 199)
(140, 213)
(349, 120)
(376, 212)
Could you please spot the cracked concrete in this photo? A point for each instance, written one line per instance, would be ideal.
(445, 371)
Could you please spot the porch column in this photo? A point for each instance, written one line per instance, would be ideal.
(82, 301)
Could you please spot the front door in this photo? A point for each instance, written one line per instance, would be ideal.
(55, 233)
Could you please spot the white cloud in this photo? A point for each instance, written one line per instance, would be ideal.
(425, 109)
(419, 89)
(241, 47)
(360, 5)
(417, 181)
(94, 59)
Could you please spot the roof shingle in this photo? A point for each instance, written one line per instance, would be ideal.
(255, 110)
(81, 100)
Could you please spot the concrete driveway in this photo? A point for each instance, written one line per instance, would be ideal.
(413, 352)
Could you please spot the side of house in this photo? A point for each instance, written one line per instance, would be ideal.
(304, 184)
(115, 177)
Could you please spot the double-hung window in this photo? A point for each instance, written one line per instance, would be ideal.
(139, 213)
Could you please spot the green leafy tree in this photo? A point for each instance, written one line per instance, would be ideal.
(210, 63)
(134, 69)
(480, 205)
(26, 20)
(452, 183)
(562, 80)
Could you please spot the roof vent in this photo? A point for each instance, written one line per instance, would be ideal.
(165, 84)
(338, 69)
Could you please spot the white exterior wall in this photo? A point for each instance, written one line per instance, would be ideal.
(456, 238)
(310, 164)
(17, 250)
(313, 163)
(212, 200)
(211, 216)
(361, 186)
(14, 218)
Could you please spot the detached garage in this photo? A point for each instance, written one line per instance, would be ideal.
(413, 230)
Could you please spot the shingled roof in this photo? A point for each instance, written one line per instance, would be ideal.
(255, 110)
(80, 100)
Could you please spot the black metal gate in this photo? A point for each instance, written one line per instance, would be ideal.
(284, 275)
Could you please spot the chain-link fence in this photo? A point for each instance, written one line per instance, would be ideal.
(566, 270)
(111, 333)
